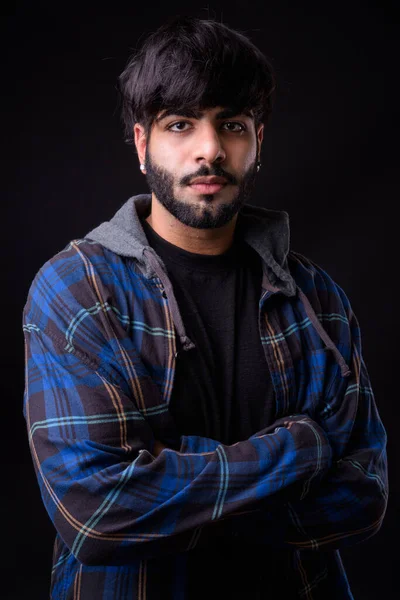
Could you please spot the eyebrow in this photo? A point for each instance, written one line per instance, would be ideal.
(197, 114)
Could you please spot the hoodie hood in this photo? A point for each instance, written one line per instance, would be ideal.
(265, 230)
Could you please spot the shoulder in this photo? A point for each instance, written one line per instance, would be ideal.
(77, 296)
(66, 280)
(317, 283)
(308, 274)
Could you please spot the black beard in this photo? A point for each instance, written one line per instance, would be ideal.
(198, 215)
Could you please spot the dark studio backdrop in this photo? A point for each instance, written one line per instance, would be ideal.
(329, 158)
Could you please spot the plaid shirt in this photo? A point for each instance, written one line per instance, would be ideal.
(100, 356)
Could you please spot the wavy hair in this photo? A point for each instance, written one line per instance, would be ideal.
(194, 63)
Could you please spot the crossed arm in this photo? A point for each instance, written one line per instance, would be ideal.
(114, 493)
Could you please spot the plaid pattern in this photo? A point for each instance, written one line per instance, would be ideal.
(100, 355)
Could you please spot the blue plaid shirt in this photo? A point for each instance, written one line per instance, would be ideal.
(100, 353)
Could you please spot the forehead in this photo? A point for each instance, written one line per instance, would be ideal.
(217, 112)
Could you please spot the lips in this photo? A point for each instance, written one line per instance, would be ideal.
(209, 180)
(207, 188)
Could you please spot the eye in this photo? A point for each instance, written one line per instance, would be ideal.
(243, 127)
(169, 128)
(174, 125)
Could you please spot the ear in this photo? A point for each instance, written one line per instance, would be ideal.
(260, 135)
(140, 141)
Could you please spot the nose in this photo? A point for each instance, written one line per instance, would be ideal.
(208, 145)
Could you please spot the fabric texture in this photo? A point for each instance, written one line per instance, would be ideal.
(103, 336)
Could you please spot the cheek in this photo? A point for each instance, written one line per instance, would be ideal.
(241, 155)
(243, 163)
(168, 157)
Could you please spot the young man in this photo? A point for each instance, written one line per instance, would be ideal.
(200, 416)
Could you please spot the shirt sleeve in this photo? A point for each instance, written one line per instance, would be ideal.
(108, 497)
(350, 501)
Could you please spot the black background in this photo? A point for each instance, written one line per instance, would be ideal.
(329, 158)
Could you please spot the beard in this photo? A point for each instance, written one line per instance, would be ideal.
(200, 211)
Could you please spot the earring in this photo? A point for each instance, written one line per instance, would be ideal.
(142, 167)
(258, 166)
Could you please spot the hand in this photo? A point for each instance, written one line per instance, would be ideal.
(158, 447)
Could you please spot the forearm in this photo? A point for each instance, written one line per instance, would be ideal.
(112, 500)
(342, 511)
(173, 495)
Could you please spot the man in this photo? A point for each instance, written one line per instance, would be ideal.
(200, 416)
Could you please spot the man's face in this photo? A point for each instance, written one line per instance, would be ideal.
(184, 147)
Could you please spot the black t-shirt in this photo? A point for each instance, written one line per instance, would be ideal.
(222, 390)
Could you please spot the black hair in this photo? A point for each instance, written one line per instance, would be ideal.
(194, 63)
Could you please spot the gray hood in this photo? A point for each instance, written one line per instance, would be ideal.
(265, 230)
